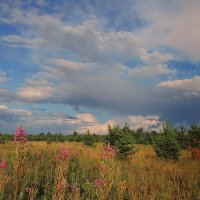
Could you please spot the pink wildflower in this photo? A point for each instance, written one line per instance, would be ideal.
(3, 165)
(99, 182)
(20, 136)
(195, 153)
(64, 154)
(28, 190)
(109, 151)
(59, 187)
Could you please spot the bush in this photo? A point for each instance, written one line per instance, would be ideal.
(183, 137)
(114, 135)
(89, 139)
(194, 134)
(166, 145)
(122, 139)
(49, 141)
(2, 141)
(125, 146)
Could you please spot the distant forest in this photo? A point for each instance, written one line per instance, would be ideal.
(185, 136)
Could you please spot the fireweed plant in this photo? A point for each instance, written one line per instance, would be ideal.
(63, 158)
(20, 138)
(3, 164)
(107, 166)
(195, 152)
(3, 172)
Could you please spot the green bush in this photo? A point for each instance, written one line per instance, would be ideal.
(2, 141)
(166, 145)
(122, 139)
(125, 146)
(49, 140)
(194, 134)
(183, 137)
(89, 139)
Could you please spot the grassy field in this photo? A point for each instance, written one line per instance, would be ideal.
(38, 170)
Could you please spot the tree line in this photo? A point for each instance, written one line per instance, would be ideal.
(185, 136)
(167, 143)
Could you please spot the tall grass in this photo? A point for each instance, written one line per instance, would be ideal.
(39, 174)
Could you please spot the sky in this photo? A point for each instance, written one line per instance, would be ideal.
(80, 65)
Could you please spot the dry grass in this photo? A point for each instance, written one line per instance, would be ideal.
(141, 177)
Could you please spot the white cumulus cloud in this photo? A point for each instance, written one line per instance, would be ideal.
(190, 87)
(134, 121)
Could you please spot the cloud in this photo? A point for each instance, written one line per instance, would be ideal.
(7, 96)
(190, 87)
(86, 63)
(86, 118)
(134, 122)
(154, 65)
(85, 41)
(96, 128)
(147, 123)
(35, 94)
(3, 77)
(68, 65)
(34, 119)
(92, 84)
(150, 71)
(3, 107)
(174, 25)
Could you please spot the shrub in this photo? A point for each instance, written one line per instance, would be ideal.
(2, 141)
(166, 145)
(89, 140)
(122, 139)
(183, 137)
(195, 153)
(125, 146)
(49, 140)
(194, 133)
(114, 135)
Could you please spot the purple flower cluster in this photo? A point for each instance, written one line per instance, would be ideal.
(64, 154)
(29, 190)
(3, 165)
(99, 182)
(20, 136)
(109, 151)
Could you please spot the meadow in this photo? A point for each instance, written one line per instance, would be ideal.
(71, 170)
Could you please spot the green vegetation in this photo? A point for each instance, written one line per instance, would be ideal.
(122, 139)
(186, 137)
(166, 145)
(89, 139)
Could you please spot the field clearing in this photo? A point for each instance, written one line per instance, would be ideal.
(37, 174)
